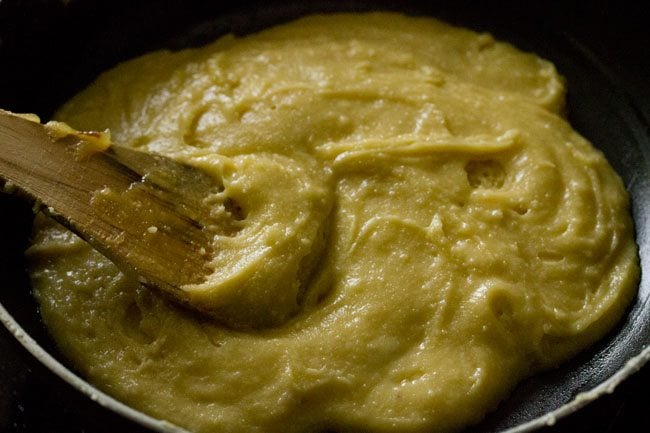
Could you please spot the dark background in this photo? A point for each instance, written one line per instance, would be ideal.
(34, 400)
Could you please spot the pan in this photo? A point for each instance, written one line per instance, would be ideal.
(49, 50)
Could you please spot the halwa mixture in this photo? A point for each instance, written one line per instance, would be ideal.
(414, 228)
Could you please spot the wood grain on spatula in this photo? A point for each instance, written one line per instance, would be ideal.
(144, 212)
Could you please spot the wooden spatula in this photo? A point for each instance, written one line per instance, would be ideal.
(145, 212)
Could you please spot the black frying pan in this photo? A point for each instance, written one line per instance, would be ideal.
(49, 50)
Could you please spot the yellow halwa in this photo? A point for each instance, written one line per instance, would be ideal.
(417, 228)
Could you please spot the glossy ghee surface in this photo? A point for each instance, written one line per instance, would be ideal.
(415, 228)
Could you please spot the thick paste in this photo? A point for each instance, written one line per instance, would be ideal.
(414, 229)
